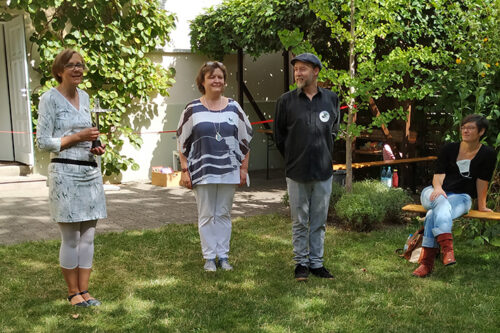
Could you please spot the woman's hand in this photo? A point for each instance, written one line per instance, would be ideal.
(437, 192)
(186, 180)
(98, 150)
(243, 176)
(244, 170)
(88, 134)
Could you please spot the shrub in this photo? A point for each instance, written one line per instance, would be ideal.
(285, 199)
(355, 211)
(114, 38)
(370, 204)
(477, 232)
(394, 200)
(337, 192)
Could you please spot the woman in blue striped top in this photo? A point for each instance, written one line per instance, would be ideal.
(214, 145)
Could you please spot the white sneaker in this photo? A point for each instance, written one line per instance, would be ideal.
(224, 264)
(210, 265)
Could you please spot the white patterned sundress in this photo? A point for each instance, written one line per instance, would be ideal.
(76, 192)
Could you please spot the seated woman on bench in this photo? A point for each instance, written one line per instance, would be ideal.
(462, 173)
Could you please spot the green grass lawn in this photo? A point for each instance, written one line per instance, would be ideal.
(153, 281)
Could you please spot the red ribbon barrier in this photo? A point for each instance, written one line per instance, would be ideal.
(173, 131)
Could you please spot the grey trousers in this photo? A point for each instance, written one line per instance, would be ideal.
(309, 209)
(214, 203)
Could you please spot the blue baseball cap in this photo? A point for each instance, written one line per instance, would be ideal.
(307, 57)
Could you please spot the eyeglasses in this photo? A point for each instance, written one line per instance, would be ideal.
(72, 66)
(468, 128)
(211, 63)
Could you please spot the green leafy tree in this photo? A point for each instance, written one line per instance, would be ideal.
(380, 58)
(404, 51)
(373, 69)
(4, 15)
(253, 26)
(114, 38)
(470, 81)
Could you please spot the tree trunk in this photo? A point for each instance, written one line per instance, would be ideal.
(349, 138)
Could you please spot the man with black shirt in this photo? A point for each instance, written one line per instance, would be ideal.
(306, 123)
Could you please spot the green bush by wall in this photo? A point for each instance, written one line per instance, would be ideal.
(370, 204)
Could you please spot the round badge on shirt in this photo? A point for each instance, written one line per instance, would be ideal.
(230, 120)
(324, 116)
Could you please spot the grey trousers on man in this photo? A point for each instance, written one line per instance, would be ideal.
(309, 209)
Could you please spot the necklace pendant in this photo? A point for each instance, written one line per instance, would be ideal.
(218, 137)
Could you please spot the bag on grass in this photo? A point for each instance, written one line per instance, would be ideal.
(413, 247)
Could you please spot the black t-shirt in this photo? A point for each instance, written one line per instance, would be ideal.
(455, 181)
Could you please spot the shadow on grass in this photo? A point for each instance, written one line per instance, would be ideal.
(154, 281)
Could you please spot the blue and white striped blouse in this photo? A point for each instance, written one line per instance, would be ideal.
(213, 159)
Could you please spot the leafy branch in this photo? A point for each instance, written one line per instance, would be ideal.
(114, 37)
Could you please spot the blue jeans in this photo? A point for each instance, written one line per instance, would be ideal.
(309, 209)
(441, 212)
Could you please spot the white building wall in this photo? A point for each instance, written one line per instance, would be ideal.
(263, 76)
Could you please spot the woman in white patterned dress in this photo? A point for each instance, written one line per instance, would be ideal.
(76, 193)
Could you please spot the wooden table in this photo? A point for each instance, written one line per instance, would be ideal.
(360, 165)
(411, 161)
(386, 163)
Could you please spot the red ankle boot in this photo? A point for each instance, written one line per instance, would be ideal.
(446, 243)
(426, 262)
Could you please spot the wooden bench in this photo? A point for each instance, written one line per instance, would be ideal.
(475, 214)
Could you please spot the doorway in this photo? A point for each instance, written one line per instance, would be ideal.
(7, 148)
(15, 115)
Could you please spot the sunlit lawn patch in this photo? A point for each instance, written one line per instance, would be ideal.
(154, 281)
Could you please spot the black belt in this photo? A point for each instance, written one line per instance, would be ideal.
(77, 162)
